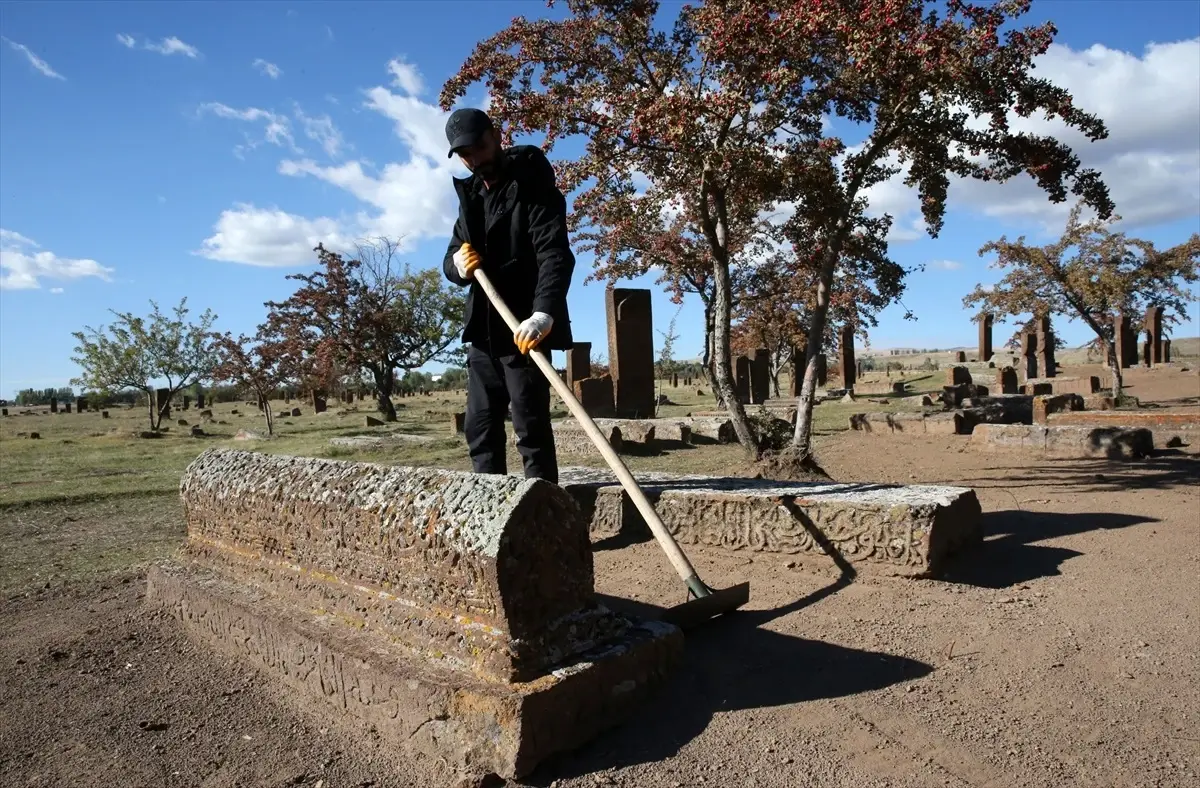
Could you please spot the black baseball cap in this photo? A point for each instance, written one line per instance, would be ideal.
(465, 127)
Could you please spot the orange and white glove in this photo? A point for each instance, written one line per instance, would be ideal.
(535, 328)
(466, 260)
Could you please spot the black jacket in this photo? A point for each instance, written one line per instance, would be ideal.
(524, 248)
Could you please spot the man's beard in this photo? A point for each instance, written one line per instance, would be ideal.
(488, 170)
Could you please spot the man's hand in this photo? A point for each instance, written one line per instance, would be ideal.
(535, 328)
(466, 260)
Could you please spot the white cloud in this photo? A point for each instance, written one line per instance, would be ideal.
(269, 237)
(405, 76)
(267, 68)
(22, 268)
(173, 46)
(56, 290)
(945, 265)
(277, 129)
(1150, 161)
(34, 60)
(412, 198)
(167, 46)
(322, 130)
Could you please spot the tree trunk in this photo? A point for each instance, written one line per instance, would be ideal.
(802, 439)
(1117, 382)
(155, 414)
(383, 394)
(722, 313)
(268, 414)
(706, 358)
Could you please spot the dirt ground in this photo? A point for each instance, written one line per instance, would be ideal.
(1065, 652)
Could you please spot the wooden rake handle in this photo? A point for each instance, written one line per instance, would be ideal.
(680, 561)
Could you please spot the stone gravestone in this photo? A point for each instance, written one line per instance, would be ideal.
(595, 395)
(1125, 339)
(200, 401)
(579, 363)
(741, 379)
(66, 407)
(1007, 380)
(846, 355)
(985, 336)
(1153, 327)
(1145, 354)
(760, 376)
(1047, 368)
(1166, 351)
(822, 369)
(81, 404)
(675, 380)
(631, 351)
(1029, 344)
(162, 401)
(318, 402)
(187, 402)
(960, 357)
(799, 361)
(53, 405)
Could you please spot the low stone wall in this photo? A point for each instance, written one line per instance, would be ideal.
(458, 601)
(1165, 425)
(1114, 443)
(882, 529)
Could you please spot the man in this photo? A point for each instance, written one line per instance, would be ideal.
(512, 216)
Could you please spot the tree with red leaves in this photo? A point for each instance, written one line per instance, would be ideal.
(725, 115)
(368, 312)
(259, 365)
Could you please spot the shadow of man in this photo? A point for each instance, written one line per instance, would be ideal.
(730, 664)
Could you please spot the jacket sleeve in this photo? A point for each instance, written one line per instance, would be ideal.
(456, 242)
(548, 232)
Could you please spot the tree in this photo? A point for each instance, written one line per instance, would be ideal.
(259, 365)
(369, 313)
(142, 352)
(667, 366)
(653, 107)
(1092, 273)
(725, 116)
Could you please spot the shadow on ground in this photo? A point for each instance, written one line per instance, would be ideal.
(731, 663)
(1009, 555)
(1166, 469)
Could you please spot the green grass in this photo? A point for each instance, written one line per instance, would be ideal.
(82, 457)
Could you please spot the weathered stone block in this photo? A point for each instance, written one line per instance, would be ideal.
(879, 387)
(643, 431)
(476, 725)
(572, 439)
(421, 555)
(454, 611)
(1099, 402)
(886, 529)
(1043, 406)
(1115, 443)
(1031, 389)
(596, 395)
(1082, 386)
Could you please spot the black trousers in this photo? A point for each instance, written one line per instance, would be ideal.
(493, 384)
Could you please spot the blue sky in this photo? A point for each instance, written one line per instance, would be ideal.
(161, 150)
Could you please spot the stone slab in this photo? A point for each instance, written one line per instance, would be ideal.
(882, 529)
(1163, 424)
(476, 725)
(483, 573)
(1114, 443)
(380, 441)
(644, 431)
